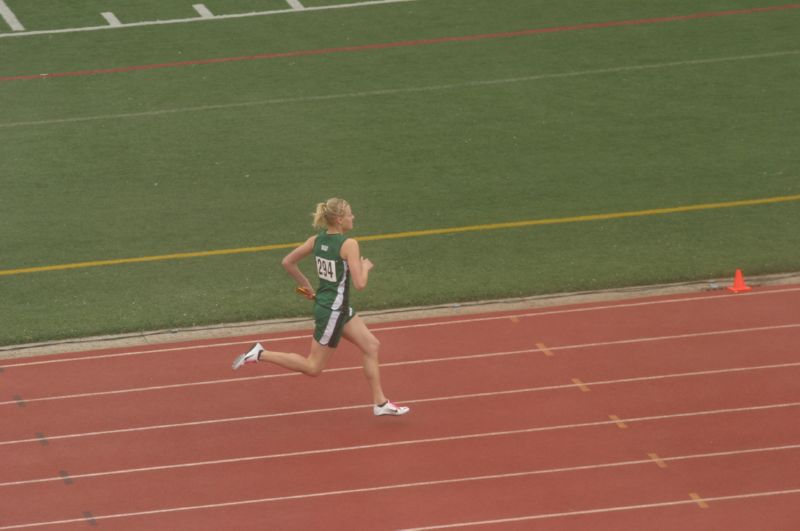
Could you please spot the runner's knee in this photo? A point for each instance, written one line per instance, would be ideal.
(314, 369)
(372, 346)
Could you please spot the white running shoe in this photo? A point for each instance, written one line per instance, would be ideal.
(389, 409)
(251, 356)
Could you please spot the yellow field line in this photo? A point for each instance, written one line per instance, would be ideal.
(121, 261)
(415, 234)
(590, 217)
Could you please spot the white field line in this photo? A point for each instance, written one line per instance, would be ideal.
(238, 343)
(217, 17)
(112, 19)
(203, 11)
(10, 18)
(395, 91)
(295, 4)
(451, 481)
(413, 362)
(605, 510)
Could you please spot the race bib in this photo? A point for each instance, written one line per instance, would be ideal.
(326, 269)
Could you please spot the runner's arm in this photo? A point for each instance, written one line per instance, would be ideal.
(359, 267)
(290, 261)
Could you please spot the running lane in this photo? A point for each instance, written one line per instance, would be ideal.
(674, 412)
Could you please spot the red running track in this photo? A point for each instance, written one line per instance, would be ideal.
(676, 412)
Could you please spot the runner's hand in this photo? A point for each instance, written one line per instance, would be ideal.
(366, 263)
(308, 293)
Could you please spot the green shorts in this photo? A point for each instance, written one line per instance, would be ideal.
(330, 324)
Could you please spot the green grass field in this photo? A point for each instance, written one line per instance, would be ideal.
(426, 136)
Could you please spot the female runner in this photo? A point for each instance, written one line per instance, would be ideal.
(338, 262)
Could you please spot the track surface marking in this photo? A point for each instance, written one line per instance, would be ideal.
(686, 404)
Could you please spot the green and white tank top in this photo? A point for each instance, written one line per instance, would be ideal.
(333, 273)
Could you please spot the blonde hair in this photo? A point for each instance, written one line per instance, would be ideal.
(328, 213)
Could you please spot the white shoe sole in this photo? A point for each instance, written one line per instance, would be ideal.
(242, 358)
(380, 412)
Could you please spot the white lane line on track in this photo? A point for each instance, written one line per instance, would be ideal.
(404, 363)
(245, 459)
(346, 408)
(533, 314)
(656, 505)
(392, 91)
(455, 481)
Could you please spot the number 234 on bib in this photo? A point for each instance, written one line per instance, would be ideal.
(326, 269)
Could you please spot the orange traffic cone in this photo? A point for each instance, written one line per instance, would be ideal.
(738, 283)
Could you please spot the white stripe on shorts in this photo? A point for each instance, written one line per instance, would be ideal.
(332, 320)
(337, 303)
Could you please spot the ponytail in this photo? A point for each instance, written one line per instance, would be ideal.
(319, 217)
(327, 213)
